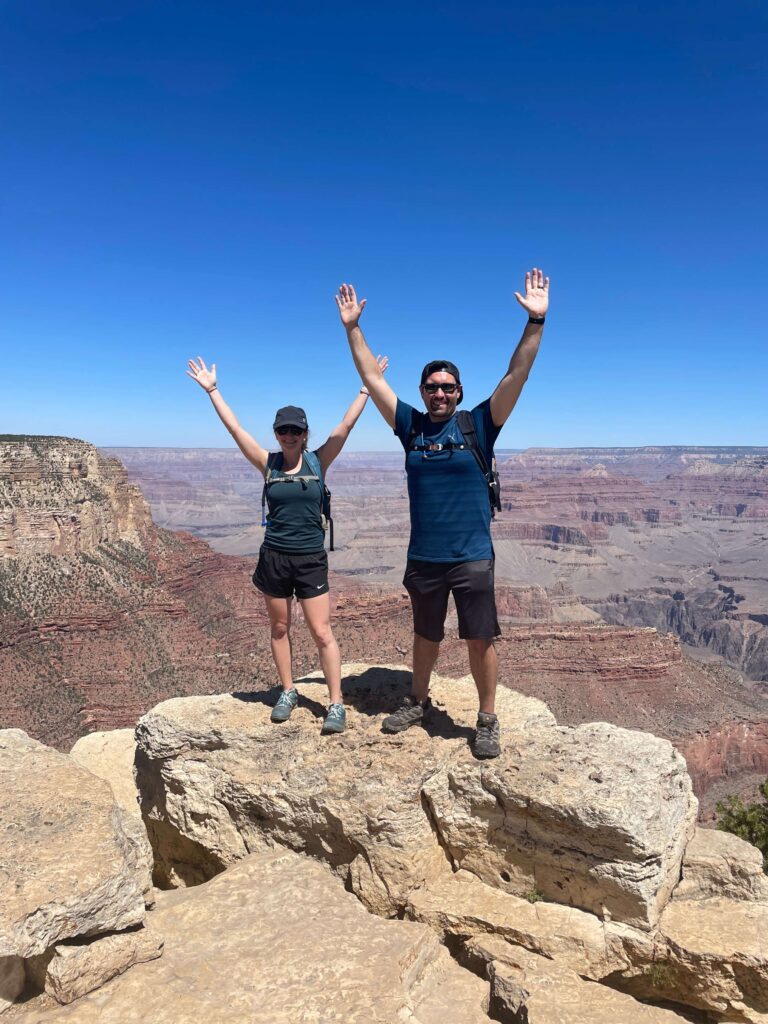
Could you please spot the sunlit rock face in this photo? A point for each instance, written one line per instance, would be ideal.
(62, 496)
(595, 817)
(567, 873)
(568, 849)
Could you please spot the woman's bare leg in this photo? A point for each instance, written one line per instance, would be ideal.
(279, 611)
(317, 612)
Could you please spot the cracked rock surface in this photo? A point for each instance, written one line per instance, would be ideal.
(276, 939)
(596, 817)
(70, 862)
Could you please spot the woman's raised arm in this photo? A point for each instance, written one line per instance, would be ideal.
(338, 436)
(206, 378)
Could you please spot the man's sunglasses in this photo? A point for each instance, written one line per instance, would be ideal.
(447, 389)
(293, 431)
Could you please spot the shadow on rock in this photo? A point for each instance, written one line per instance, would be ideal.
(378, 691)
(269, 698)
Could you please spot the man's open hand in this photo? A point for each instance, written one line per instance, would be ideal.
(536, 299)
(349, 308)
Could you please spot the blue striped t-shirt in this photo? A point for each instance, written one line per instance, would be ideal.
(448, 494)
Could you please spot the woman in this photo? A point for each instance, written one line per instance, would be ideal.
(293, 559)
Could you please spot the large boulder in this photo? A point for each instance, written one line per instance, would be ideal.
(276, 939)
(218, 780)
(110, 756)
(595, 817)
(67, 860)
(722, 865)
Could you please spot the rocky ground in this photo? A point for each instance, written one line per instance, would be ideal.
(370, 877)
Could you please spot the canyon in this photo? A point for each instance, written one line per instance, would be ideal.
(632, 588)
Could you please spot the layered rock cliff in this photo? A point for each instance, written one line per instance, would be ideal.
(101, 612)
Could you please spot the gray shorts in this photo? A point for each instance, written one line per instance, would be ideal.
(471, 583)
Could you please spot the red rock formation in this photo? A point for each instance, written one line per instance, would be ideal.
(725, 754)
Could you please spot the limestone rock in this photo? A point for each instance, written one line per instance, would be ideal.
(75, 969)
(217, 773)
(110, 756)
(540, 991)
(715, 954)
(720, 864)
(67, 866)
(596, 817)
(462, 905)
(276, 940)
(11, 980)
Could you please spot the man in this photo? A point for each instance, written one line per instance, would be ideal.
(450, 549)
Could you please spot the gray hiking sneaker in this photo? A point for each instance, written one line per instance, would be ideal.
(411, 712)
(286, 702)
(335, 720)
(486, 736)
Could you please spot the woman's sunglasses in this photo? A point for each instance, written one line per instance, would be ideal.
(293, 431)
(447, 389)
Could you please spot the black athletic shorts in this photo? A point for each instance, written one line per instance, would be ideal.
(280, 574)
(471, 583)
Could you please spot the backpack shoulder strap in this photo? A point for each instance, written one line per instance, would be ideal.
(466, 423)
(413, 430)
(272, 459)
(325, 495)
(467, 426)
(314, 464)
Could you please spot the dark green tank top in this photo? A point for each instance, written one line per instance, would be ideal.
(294, 523)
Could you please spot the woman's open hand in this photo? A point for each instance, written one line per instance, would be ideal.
(205, 378)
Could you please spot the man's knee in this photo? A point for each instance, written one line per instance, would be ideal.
(480, 645)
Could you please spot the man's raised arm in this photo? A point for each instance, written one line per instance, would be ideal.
(383, 396)
(535, 302)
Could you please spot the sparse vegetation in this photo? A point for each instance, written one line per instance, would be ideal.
(661, 974)
(534, 896)
(747, 821)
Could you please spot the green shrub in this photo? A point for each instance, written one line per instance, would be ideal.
(748, 821)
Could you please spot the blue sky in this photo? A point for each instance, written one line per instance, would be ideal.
(198, 178)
